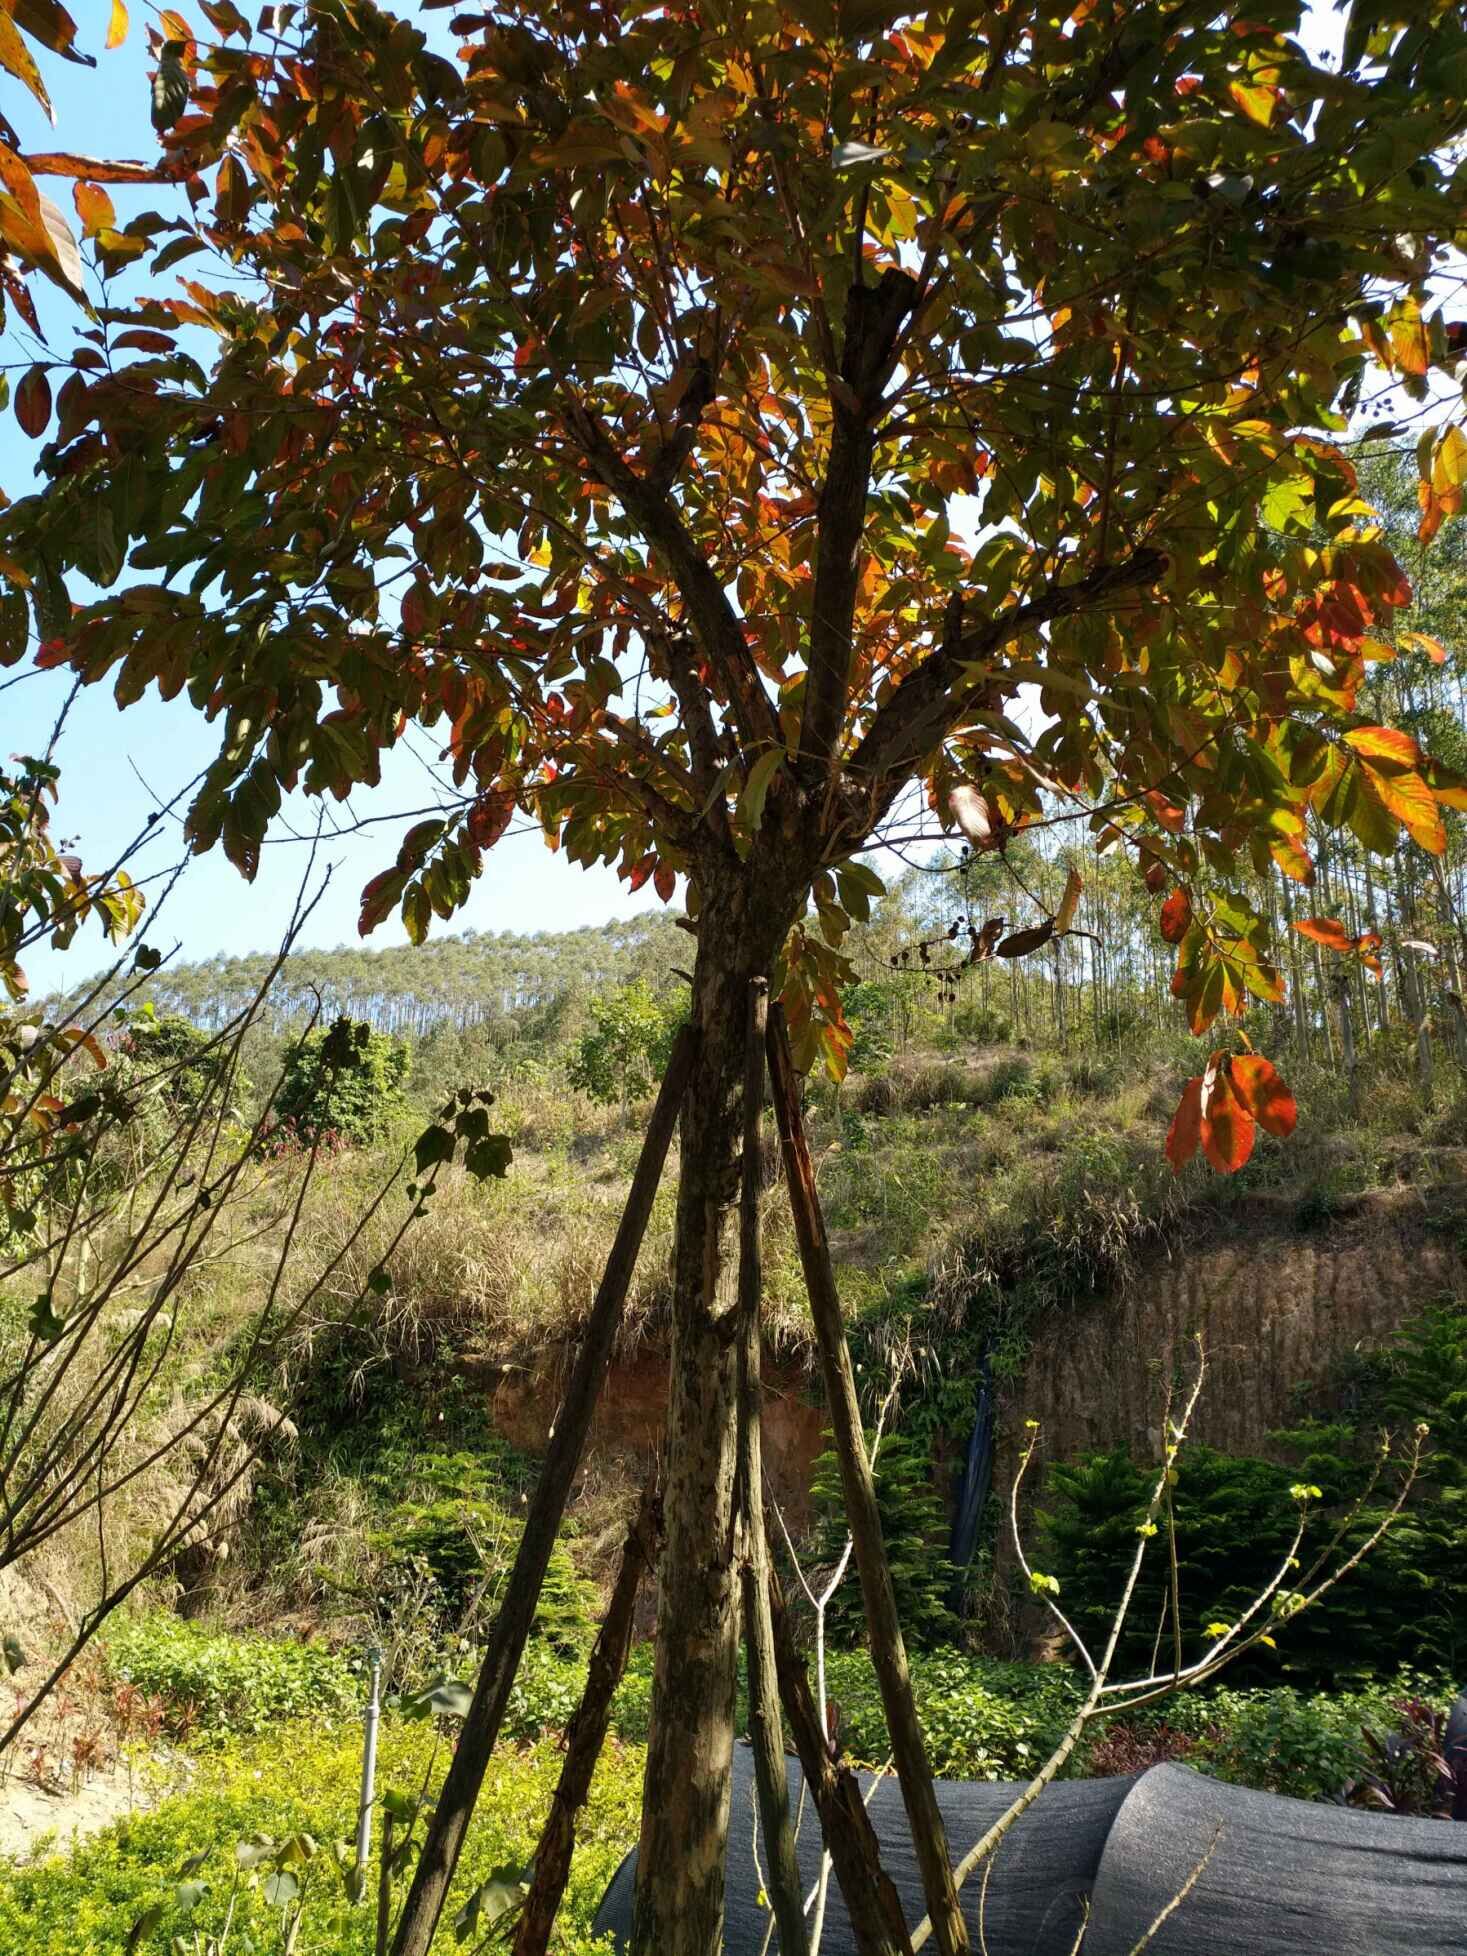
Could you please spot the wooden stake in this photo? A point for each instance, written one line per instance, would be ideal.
(872, 1902)
(586, 1733)
(782, 1869)
(511, 1627)
(888, 1649)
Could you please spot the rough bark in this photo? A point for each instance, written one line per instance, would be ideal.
(511, 1626)
(766, 1729)
(680, 1870)
(874, 317)
(586, 1733)
(888, 1649)
(872, 1901)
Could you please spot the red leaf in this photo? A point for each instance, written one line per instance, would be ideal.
(414, 612)
(640, 871)
(1176, 916)
(1228, 1129)
(378, 897)
(33, 402)
(1257, 1084)
(1024, 941)
(489, 818)
(1324, 930)
(664, 881)
(1171, 818)
(1185, 1132)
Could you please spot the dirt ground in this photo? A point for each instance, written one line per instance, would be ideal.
(28, 1815)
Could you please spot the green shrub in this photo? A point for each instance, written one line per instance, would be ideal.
(627, 1045)
(1308, 1745)
(298, 1780)
(465, 1543)
(346, 1081)
(184, 1063)
(914, 1528)
(220, 1682)
(983, 1719)
(1234, 1520)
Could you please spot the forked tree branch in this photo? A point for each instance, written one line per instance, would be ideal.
(931, 699)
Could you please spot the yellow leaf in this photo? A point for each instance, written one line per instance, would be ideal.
(117, 24)
(1411, 802)
(1257, 103)
(94, 208)
(1449, 464)
(1410, 348)
(1069, 902)
(16, 59)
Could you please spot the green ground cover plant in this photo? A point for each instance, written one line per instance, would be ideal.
(300, 1780)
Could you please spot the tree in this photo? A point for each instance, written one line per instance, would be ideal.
(626, 1047)
(345, 1078)
(715, 422)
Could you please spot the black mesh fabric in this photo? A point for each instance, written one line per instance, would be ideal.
(1283, 1877)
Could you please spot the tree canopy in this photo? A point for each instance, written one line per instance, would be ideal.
(602, 398)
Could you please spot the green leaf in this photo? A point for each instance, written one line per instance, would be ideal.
(44, 1322)
(444, 1698)
(145, 1924)
(170, 88)
(750, 811)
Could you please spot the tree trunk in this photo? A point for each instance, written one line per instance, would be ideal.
(872, 1901)
(586, 1733)
(511, 1627)
(781, 1866)
(680, 1867)
(888, 1650)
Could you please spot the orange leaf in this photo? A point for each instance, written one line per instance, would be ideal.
(1407, 797)
(1325, 931)
(1257, 1084)
(1228, 1129)
(1410, 347)
(61, 163)
(1424, 642)
(1185, 1132)
(1176, 916)
(95, 209)
(1384, 744)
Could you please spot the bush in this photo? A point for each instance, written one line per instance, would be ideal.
(185, 1064)
(914, 1529)
(1310, 1746)
(298, 1782)
(627, 1046)
(465, 1541)
(982, 1719)
(1234, 1520)
(221, 1683)
(346, 1081)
